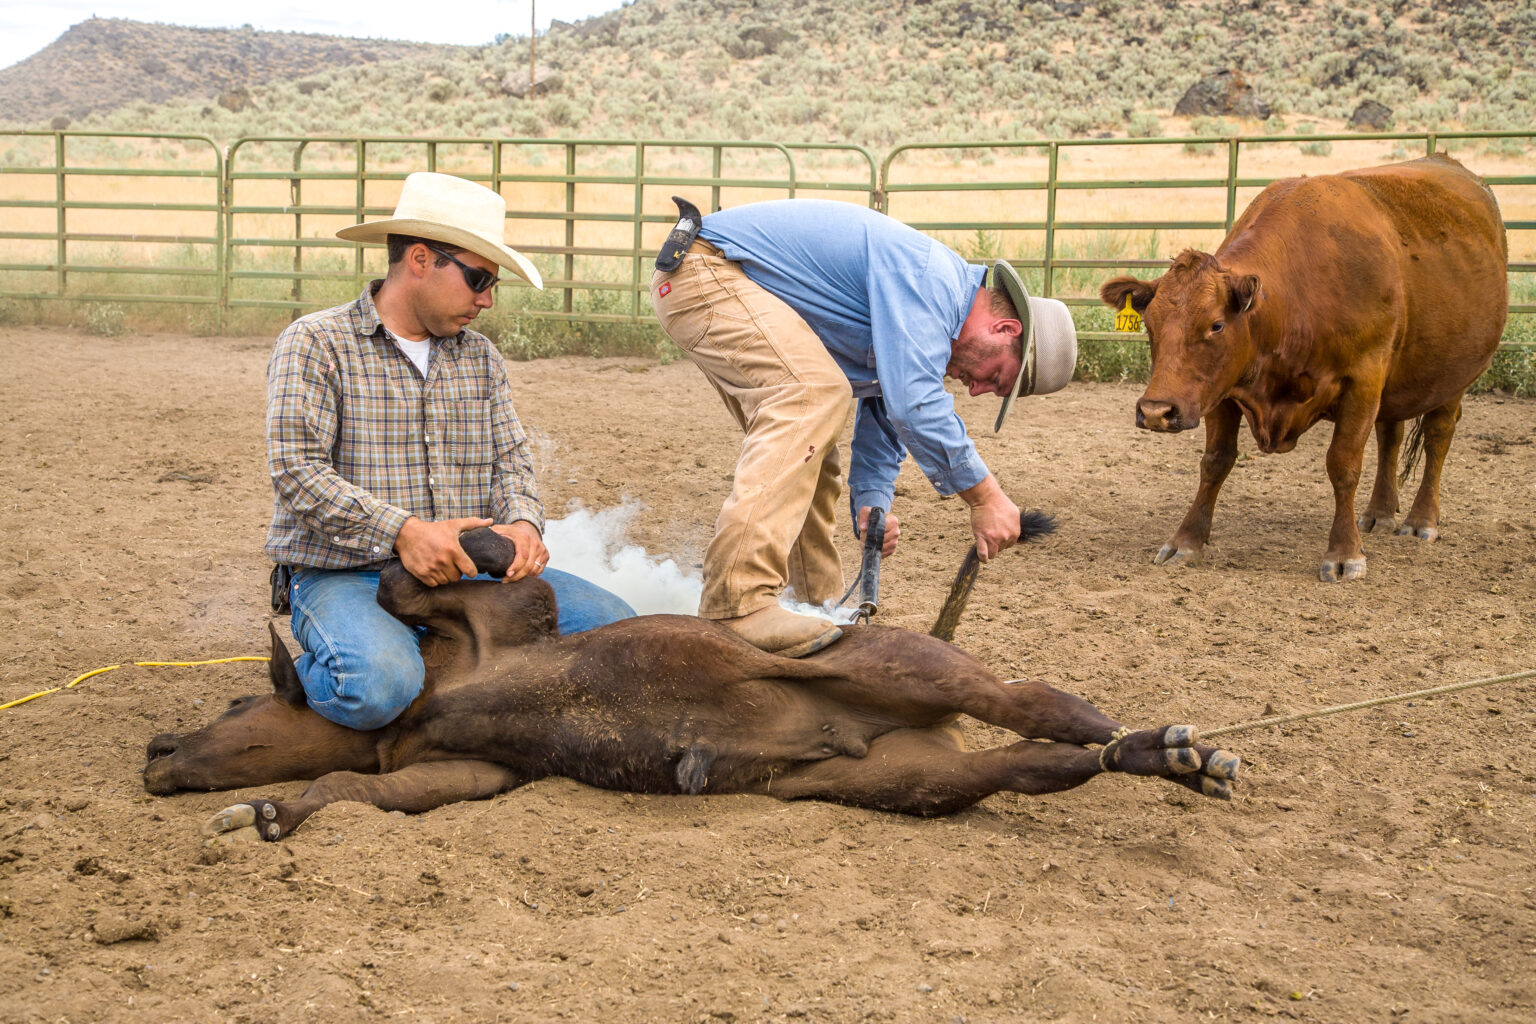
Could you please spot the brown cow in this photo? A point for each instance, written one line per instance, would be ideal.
(1368, 297)
(660, 704)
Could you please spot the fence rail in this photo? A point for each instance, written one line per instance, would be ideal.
(85, 216)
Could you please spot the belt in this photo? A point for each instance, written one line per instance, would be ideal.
(701, 246)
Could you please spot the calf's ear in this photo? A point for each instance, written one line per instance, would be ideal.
(285, 678)
(1114, 291)
(1242, 292)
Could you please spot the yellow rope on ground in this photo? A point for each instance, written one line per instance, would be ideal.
(145, 664)
(1357, 705)
(211, 661)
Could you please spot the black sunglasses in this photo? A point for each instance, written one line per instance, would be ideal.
(477, 279)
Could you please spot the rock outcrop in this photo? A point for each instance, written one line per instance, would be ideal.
(1224, 93)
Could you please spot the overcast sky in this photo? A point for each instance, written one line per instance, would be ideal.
(27, 26)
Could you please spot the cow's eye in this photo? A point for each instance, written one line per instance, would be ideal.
(1218, 327)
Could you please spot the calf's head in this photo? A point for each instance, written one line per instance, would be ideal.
(1199, 320)
(263, 739)
(473, 614)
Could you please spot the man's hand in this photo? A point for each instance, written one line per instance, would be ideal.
(431, 551)
(532, 555)
(994, 518)
(892, 531)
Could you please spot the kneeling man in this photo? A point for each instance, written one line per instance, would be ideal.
(390, 431)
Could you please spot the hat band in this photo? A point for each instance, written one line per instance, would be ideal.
(1028, 366)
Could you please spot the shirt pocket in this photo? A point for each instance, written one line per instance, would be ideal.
(471, 441)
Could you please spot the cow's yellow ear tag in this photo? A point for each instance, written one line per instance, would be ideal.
(1128, 320)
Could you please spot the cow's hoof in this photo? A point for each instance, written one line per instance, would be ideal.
(1349, 569)
(259, 815)
(1421, 532)
(1168, 554)
(1368, 522)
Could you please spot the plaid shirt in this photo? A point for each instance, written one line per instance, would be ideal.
(358, 442)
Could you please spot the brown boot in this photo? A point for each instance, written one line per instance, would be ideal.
(783, 632)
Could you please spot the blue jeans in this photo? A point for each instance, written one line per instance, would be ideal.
(361, 666)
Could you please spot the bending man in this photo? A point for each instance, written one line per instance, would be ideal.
(795, 308)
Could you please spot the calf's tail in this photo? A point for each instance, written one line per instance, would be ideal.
(1034, 524)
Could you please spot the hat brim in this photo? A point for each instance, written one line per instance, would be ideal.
(1004, 274)
(501, 255)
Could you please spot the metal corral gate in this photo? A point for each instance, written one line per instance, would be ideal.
(97, 217)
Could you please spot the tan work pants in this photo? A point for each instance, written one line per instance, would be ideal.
(783, 388)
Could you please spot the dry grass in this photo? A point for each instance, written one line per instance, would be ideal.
(960, 193)
(934, 170)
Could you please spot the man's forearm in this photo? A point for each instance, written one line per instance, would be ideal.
(988, 490)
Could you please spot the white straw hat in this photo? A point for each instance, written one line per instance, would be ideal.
(1050, 341)
(444, 208)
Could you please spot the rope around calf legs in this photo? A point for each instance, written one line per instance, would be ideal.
(1114, 742)
(1357, 705)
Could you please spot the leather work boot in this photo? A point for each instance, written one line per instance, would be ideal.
(783, 632)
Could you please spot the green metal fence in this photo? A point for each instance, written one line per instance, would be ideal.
(582, 210)
(87, 214)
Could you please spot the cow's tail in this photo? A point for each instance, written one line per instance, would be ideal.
(1411, 452)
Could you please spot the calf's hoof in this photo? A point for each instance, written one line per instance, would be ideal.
(238, 837)
(1173, 753)
(1332, 571)
(259, 815)
(1421, 532)
(1170, 554)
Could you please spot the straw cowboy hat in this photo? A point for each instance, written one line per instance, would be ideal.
(1050, 341)
(444, 208)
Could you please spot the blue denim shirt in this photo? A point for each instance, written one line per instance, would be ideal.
(887, 301)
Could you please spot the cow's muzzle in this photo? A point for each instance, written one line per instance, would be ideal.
(1163, 417)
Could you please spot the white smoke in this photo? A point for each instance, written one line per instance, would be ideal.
(826, 611)
(596, 547)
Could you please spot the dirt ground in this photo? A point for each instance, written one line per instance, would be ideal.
(1374, 866)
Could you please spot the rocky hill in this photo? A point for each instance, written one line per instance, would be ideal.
(105, 64)
(817, 71)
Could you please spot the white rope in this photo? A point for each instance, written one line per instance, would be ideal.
(1357, 705)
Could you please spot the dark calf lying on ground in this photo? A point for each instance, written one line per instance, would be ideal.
(660, 704)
